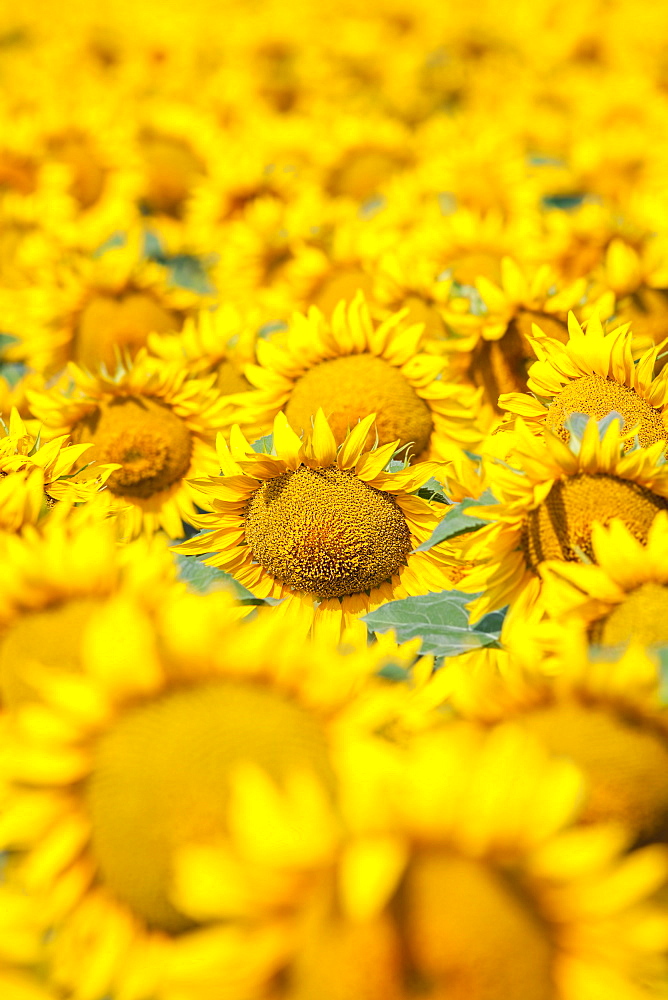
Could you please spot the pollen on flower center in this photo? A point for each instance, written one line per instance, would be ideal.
(560, 527)
(161, 781)
(597, 396)
(471, 933)
(351, 387)
(642, 615)
(151, 443)
(625, 762)
(326, 532)
(124, 321)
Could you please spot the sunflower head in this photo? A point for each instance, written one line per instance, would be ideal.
(155, 422)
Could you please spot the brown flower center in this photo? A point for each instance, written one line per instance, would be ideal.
(597, 396)
(326, 532)
(625, 761)
(145, 437)
(471, 934)
(123, 321)
(560, 527)
(161, 781)
(351, 387)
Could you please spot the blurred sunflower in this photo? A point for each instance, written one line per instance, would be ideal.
(605, 715)
(467, 879)
(152, 420)
(548, 498)
(56, 579)
(90, 309)
(178, 803)
(351, 367)
(594, 372)
(320, 526)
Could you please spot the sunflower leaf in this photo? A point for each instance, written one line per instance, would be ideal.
(203, 579)
(440, 620)
(457, 522)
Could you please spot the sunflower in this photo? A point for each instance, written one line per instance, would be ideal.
(177, 865)
(54, 581)
(220, 341)
(501, 352)
(548, 497)
(467, 879)
(607, 715)
(624, 597)
(594, 372)
(88, 309)
(352, 367)
(320, 527)
(36, 477)
(154, 422)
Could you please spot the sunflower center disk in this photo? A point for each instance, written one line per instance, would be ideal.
(560, 527)
(597, 396)
(625, 764)
(471, 933)
(161, 781)
(350, 388)
(50, 637)
(124, 321)
(643, 616)
(151, 443)
(326, 532)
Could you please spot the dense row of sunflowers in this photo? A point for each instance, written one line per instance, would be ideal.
(334, 501)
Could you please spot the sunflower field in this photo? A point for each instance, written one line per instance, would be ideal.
(334, 500)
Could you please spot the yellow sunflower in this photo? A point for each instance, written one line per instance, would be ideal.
(319, 526)
(37, 478)
(549, 494)
(594, 372)
(54, 581)
(467, 879)
(176, 804)
(87, 309)
(152, 420)
(498, 352)
(606, 715)
(220, 341)
(624, 596)
(351, 367)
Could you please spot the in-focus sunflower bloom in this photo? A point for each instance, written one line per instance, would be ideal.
(467, 880)
(607, 715)
(178, 802)
(498, 352)
(88, 309)
(594, 372)
(152, 420)
(350, 368)
(35, 478)
(319, 526)
(624, 597)
(549, 495)
(54, 582)
(220, 341)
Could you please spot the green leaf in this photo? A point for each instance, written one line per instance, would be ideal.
(440, 620)
(203, 579)
(456, 522)
(264, 445)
